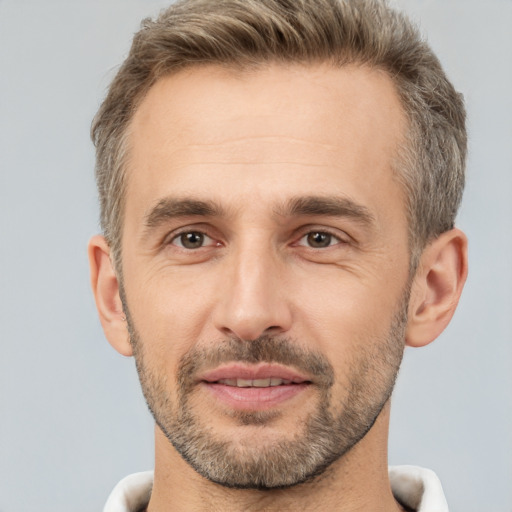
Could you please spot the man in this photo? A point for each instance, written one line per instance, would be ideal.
(278, 184)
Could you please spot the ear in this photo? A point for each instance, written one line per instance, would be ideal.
(436, 287)
(105, 287)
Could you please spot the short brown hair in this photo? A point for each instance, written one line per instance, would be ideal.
(246, 33)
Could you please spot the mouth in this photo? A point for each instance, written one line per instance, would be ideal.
(256, 383)
(254, 388)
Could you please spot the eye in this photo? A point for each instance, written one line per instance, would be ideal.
(319, 239)
(192, 240)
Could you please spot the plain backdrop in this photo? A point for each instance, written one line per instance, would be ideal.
(72, 418)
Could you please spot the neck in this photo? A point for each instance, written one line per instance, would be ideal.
(356, 482)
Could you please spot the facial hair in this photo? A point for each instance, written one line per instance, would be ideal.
(326, 435)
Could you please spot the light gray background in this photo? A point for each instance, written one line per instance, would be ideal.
(72, 419)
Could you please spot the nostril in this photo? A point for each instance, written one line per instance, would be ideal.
(246, 320)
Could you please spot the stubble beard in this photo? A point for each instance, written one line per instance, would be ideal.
(326, 435)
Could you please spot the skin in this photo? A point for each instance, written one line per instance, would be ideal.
(250, 143)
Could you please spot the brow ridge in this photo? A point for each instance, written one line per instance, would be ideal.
(334, 206)
(170, 208)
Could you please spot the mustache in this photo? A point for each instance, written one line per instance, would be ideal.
(264, 349)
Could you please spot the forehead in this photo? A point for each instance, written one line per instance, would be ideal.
(265, 132)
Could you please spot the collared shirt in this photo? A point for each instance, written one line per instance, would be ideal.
(417, 488)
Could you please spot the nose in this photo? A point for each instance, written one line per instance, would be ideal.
(253, 295)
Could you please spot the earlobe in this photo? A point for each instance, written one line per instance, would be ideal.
(105, 287)
(437, 287)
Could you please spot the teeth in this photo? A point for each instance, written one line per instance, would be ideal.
(255, 383)
(261, 383)
(228, 382)
(278, 382)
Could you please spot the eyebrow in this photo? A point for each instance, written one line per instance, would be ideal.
(332, 206)
(171, 208)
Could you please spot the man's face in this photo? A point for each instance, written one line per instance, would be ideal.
(265, 264)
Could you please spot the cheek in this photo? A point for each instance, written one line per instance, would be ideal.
(346, 316)
(343, 302)
(170, 311)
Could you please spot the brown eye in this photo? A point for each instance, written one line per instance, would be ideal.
(191, 240)
(319, 240)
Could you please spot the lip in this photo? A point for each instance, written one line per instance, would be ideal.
(254, 398)
(254, 372)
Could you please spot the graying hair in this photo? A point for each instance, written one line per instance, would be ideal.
(248, 33)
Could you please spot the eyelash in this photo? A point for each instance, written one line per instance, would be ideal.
(332, 237)
(177, 236)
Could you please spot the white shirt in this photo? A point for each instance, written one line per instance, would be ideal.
(417, 488)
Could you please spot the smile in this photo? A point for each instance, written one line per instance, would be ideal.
(259, 375)
(254, 387)
(255, 383)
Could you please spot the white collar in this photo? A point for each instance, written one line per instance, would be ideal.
(415, 487)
